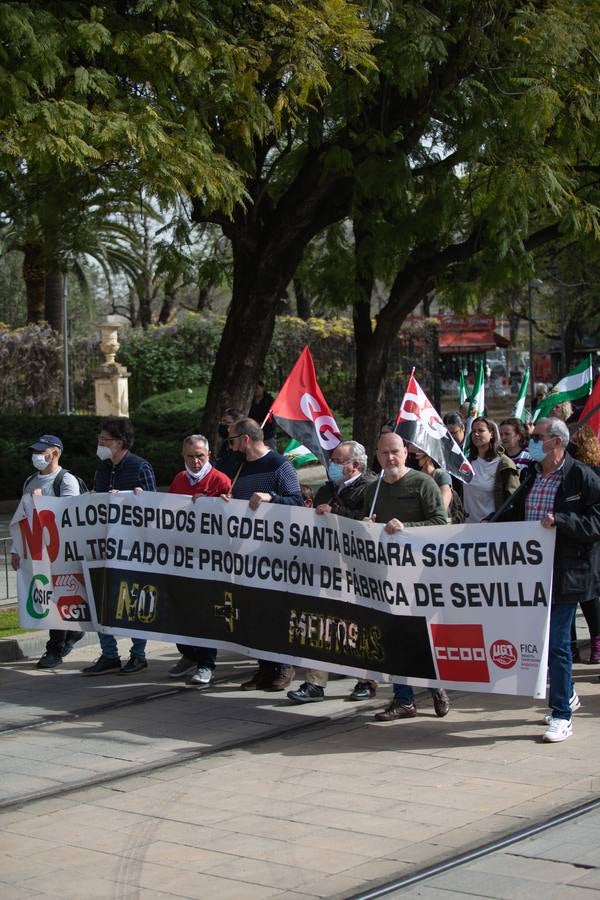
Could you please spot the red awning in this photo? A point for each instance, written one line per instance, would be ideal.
(471, 341)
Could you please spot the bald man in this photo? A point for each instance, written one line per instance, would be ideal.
(405, 499)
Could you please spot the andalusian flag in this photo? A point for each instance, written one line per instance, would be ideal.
(302, 412)
(576, 384)
(463, 394)
(477, 399)
(299, 455)
(519, 407)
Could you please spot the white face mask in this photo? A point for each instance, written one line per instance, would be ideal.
(103, 452)
(40, 462)
(200, 474)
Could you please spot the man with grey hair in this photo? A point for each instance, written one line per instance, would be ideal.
(198, 479)
(559, 492)
(342, 495)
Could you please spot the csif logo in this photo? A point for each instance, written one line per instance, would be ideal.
(39, 597)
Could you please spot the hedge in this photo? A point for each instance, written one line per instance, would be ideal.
(157, 440)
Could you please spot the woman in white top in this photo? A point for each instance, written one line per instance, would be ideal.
(496, 475)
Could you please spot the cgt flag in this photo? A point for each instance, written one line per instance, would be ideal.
(590, 414)
(302, 412)
(420, 424)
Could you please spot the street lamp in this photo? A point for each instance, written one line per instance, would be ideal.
(532, 283)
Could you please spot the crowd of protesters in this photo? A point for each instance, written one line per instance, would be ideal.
(536, 473)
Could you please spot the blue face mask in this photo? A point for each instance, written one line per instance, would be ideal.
(335, 471)
(536, 450)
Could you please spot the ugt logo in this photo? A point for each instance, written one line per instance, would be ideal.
(460, 653)
(39, 597)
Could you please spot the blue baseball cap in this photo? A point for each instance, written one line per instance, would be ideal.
(47, 440)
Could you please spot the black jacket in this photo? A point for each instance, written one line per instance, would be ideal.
(349, 501)
(577, 515)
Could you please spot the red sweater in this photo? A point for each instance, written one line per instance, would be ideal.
(212, 485)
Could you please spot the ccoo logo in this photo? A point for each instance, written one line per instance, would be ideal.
(459, 652)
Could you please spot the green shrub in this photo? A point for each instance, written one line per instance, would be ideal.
(157, 439)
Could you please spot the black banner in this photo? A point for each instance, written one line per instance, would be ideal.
(269, 621)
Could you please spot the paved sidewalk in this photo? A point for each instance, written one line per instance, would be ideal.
(323, 812)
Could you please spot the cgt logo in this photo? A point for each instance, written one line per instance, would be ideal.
(71, 604)
(459, 652)
(504, 654)
(73, 609)
(39, 597)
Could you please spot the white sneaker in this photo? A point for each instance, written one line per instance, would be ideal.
(202, 675)
(558, 730)
(574, 704)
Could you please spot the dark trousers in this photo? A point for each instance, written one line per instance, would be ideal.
(57, 640)
(205, 657)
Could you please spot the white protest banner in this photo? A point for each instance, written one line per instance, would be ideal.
(463, 606)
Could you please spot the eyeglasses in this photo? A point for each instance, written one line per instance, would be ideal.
(102, 439)
(540, 438)
(231, 439)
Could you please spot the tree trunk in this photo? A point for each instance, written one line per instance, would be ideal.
(244, 343)
(168, 310)
(303, 301)
(54, 299)
(34, 276)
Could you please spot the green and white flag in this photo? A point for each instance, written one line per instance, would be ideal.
(463, 394)
(299, 455)
(477, 399)
(576, 383)
(519, 407)
(476, 405)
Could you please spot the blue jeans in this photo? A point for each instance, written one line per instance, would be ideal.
(560, 660)
(108, 644)
(205, 657)
(404, 694)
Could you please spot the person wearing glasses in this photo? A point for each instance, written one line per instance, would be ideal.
(263, 476)
(341, 495)
(199, 478)
(119, 469)
(559, 492)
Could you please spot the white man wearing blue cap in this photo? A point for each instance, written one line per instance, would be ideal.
(50, 479)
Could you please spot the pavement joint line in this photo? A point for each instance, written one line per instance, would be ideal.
(184, 756)
(408, 880)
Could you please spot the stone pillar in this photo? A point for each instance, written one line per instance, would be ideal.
(110, 379)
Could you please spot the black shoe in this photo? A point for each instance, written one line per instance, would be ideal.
(363, 690)
(103, 666)
(134, 664)
(307, 693)
(49, 661)
(441, 703)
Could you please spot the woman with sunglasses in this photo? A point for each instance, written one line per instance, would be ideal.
(496, 476)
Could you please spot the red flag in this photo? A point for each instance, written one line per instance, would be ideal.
(302, 412)
(590, 414)
(420, 424)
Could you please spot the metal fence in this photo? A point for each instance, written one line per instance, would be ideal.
(8, 578)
